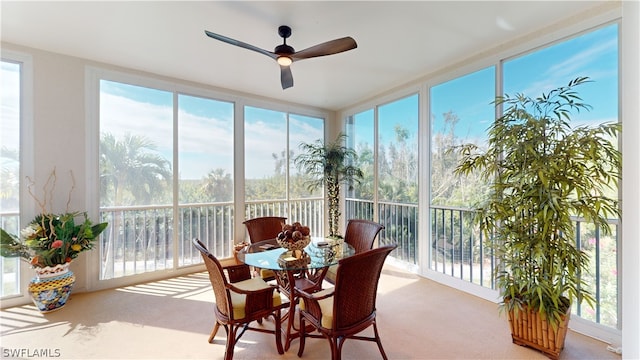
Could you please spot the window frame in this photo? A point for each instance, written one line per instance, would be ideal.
(27, 207)
(93, 75)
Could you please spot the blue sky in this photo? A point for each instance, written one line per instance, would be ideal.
(594, 55)
(470, 97)
(206, 130)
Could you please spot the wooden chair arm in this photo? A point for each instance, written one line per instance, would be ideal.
(314, 295)
(269, 288)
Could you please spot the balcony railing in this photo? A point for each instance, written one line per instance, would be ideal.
(10, 267)
(400, 221)
(458, 249)
(400, 225)
(139, 238)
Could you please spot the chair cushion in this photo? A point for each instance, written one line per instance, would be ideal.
(326, 307)
(267, 274)
(239, 300)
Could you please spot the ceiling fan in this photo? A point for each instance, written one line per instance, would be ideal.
(285, 54)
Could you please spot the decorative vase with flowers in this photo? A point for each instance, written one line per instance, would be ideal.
(49, 243)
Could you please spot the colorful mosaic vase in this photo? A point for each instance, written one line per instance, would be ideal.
(51, 287)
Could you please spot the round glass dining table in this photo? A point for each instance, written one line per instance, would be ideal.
(320, 253)
(306, 272)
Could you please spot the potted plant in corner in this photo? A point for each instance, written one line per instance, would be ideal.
(49, 243)
(329, 165)
(543, 172)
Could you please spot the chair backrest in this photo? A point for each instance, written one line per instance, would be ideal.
(356, 286)
(264, 228)
(361, 233)
(216, 276)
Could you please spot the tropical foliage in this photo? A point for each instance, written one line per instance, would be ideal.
(52, 239)
(541, 172)
(132, 172)
(329, 165)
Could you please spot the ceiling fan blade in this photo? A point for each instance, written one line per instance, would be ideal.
(286, 77)
(241, 44)
(326, 48)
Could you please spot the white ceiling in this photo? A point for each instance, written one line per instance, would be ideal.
(397, 41)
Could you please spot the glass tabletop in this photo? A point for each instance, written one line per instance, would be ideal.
(318, 254)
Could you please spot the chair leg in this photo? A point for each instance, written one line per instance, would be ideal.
(278, 330)
(214, 332)
(336, 348)
(302, 336)
(375, 331)
(231, 342)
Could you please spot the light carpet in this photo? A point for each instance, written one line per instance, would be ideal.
(172, 319)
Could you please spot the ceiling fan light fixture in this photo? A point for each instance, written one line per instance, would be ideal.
(284, 60)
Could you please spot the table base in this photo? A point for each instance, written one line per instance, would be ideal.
(310, 281)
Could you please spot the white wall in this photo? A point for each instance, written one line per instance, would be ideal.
(630, 93)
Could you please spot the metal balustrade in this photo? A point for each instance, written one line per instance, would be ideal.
(139, 239)
(400, 225)
(458, 249)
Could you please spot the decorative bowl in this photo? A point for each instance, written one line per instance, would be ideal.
(294, 245)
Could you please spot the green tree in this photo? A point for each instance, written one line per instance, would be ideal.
(218, 185)
(398, 169)
(364, 189)
(131, 171)
(448, 188)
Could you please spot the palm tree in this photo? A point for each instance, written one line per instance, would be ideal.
(218, 185)
(132, 165)
(329, 165)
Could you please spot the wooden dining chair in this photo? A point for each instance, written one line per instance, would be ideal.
(344, 311)
(264, 228)
(240, 303)
(360, 234)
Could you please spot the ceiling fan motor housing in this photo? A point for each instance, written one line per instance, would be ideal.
(283, 49)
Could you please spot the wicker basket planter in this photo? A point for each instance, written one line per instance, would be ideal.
(530, 329)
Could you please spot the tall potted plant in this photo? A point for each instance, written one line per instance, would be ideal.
(543, 172)
(329, 165)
